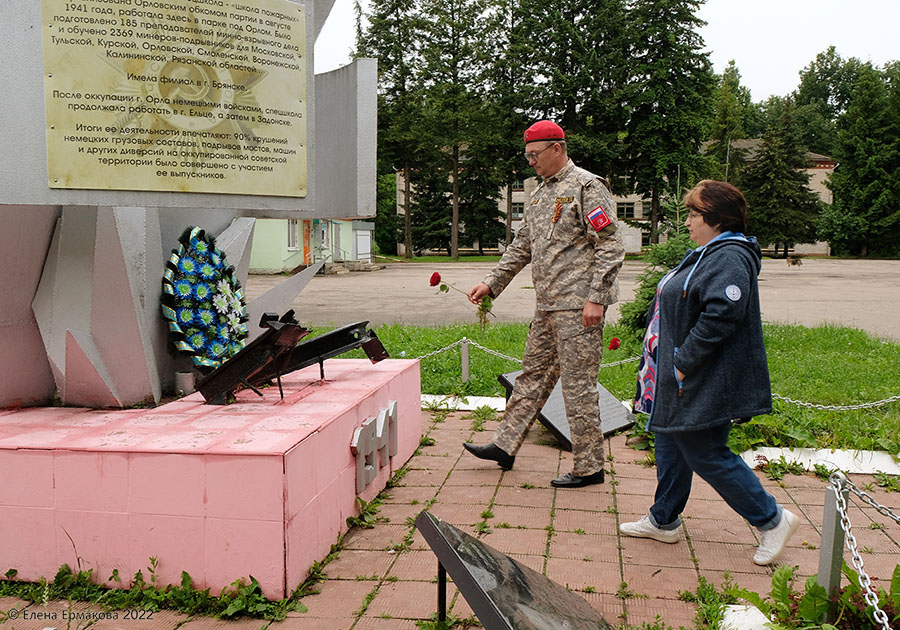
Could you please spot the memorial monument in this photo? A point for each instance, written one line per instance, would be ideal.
(128, 121)
(127, 125)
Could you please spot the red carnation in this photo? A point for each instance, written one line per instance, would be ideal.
(435, 279)
(614, 343)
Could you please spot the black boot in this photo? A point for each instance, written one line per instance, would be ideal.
(493, 452)
(570, 480)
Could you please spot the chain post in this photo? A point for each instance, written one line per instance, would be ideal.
(464, 358)
(865, 582)
(831, 552)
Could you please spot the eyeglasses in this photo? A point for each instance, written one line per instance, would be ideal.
(533, 155)
(693, 216)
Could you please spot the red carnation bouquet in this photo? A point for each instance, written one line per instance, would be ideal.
(484, 308)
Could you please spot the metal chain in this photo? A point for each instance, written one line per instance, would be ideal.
(865, 581)
(628, 360)
(866, 498)
(444, 349)
(877, 403)
(494, 352)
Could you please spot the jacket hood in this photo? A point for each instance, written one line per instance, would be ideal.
(725, 239)
(736, 238)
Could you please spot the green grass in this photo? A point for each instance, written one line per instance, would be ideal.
(826, 365)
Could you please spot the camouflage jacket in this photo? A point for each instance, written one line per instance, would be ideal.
(571, 261)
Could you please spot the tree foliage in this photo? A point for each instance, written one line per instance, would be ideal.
(782, 210)
(671, 99)
(629, 81)
(734, 115)
(865, 217)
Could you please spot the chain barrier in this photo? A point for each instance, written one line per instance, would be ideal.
(838, 481)
(505, 356)
(799, 403)
(877, 403)
(444, 349)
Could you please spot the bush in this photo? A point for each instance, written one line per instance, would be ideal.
(660, 259)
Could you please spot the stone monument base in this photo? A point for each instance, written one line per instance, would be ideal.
(260, 487)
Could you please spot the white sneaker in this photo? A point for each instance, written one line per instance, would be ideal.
(773, 541)
(645, 529)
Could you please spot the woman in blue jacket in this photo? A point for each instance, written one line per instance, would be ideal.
(703, 368)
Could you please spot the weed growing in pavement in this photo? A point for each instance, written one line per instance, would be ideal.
(426, 441)
(481, 415)
(528, 486)
(367, 600)
(368, 513)
(623, 593)
(451, 622)
(396, 478)
(242, 598)
(503, 525)
(710, 602)
(823, 472)
(776, 469)
(808, 609)
(482, 527)
(487, 514)
(891, 483)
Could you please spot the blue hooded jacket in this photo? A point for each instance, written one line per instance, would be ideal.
(710, 328)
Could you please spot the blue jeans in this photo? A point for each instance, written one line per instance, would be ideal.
(681, 454)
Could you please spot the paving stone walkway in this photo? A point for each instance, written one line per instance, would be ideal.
(385, 577)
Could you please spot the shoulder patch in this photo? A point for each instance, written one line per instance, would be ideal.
(598, 218)
(733, 292)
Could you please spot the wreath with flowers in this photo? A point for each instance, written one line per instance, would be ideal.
(202, 301)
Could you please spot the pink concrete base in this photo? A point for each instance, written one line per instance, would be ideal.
(261, 487)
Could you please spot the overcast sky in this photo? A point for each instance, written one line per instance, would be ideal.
(769, 40)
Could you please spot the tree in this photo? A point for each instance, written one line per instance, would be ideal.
(782, 209)
(387, 229)
(431, 209)
(671, 100)
(822, 96)
(454, 60)
(391, 37)
(733, 108)
(574, 55)
(501, 141)
(865, 219)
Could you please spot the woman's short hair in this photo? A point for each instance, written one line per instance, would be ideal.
(722, 205)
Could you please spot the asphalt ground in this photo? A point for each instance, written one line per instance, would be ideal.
(857, 293)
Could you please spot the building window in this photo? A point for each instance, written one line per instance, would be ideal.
(519, 184)
(625, 210)
(518, 210)
(645, 238)
(293, 230)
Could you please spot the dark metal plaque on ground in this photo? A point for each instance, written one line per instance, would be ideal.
(613, 414)
(503, 593)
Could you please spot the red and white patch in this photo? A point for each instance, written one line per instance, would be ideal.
(598, 218)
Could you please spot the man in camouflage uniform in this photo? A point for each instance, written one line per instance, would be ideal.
(571, 239)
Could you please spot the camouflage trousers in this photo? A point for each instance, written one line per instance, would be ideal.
(558, 346)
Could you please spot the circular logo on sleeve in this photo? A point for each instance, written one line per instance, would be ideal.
(733, 292)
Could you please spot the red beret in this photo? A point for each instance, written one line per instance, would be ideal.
(544, 130)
